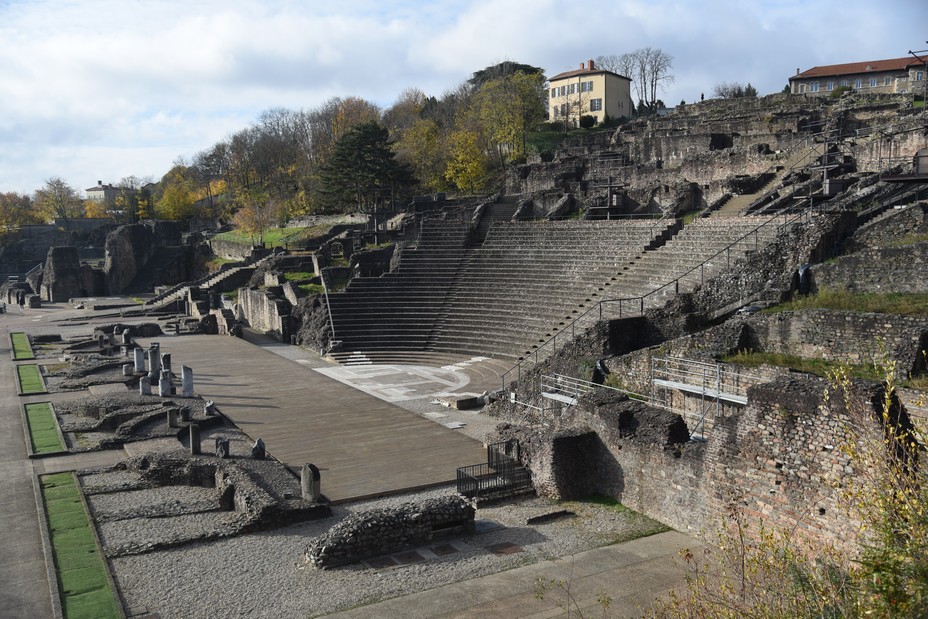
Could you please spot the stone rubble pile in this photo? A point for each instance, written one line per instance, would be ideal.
(384, 531)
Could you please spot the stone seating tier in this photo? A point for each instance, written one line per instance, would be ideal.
(526, 283)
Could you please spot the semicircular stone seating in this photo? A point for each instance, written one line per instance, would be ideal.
(525, 282)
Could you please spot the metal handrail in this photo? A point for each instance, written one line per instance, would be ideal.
(640, 301)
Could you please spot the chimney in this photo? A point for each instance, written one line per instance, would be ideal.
(797, 70)
(582, 66)
(591, 65)
(99, 183)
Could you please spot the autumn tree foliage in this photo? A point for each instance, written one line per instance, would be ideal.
(16, 210)
(177, 196)
(59, 200)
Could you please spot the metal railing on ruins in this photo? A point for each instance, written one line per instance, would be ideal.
(707, 385)
(616, 309)
(710, 385)
(501, 475)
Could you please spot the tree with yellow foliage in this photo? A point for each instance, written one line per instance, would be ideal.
(466, 166)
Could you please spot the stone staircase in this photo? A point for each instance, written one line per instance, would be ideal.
(212, 280)
(804, 155)
(502, 210)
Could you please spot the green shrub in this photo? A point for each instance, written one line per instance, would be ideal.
(587, 121)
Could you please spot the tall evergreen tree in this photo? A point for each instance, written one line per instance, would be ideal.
(362, 164)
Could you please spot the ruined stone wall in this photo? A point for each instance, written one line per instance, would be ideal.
(384, 531)
(128, 250)
(893, 116)
(893, 269)
(229, 250)
(62, 279)
(779, 458)
(845, 337)
(372, 262)
(266, 310)
(892, 228)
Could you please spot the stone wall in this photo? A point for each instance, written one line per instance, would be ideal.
(384, 531)
(266, 310)
(892, 228)
(128, 250)
(779, 459)
(61, 279)
(372, 262)
(230, 250)
(891, 269)
(845, 337)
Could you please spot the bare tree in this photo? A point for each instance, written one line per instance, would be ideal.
(648, 68)
(623, 64)
(734, 90)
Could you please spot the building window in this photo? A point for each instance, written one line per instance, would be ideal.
(858, 83)
(596, 105)
(813, 87)
(919, 76)
(572, 90)
(554, 111)
(830, 86)
(886, 81)
(553, 92)
(586, 86)
(844, 83)
(873, 82)
(802, 88)
(563, 109)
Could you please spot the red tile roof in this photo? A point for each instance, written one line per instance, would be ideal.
(894, 64)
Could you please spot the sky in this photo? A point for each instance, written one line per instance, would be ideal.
(100, 90)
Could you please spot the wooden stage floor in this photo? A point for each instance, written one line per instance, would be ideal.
(362, 445)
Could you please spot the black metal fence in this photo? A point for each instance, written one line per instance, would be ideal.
(482, 479)
(501, 474)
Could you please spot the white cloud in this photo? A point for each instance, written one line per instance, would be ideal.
(102, 89)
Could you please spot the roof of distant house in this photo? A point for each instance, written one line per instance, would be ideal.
(585, 70)
(831, 70)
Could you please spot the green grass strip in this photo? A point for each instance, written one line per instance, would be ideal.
(819, 367)
(43, 429)
(907, 304)
(21, 347)
(82, 582)
(30, 380)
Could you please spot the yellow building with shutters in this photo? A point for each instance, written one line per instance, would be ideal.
(588, 91)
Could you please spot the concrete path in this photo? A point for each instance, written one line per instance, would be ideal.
(632, 574)
(362, 445)
(23, 578)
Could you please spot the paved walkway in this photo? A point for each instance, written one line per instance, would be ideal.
(632, 574)
(362, 445)
(23, 579)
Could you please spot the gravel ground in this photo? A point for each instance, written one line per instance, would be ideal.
(264, 575)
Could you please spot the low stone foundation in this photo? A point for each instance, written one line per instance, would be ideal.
(380, 532)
